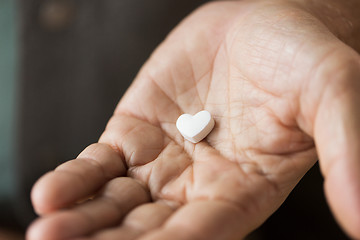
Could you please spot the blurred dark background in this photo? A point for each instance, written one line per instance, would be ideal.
(64, 64)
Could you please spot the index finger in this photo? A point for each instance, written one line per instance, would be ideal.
(77, 179)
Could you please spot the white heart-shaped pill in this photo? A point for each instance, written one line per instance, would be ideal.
(195, 128)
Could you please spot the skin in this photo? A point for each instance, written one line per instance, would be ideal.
(281, 79)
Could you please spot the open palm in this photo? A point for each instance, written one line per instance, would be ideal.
(271, 75)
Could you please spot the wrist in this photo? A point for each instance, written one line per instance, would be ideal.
(342, 18)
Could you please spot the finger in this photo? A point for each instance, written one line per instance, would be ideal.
(139, 221)
(117, 198)
(337, 136)
(205, 220)
(139, 141)
(77, 179)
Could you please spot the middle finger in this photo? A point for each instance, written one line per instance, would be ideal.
(118, 197)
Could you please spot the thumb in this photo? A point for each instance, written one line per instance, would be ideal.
(336, 129)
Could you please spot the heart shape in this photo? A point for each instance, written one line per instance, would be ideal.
(195, 128)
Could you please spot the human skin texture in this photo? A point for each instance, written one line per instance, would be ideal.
(281, 79)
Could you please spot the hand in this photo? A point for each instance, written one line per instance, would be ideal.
(283, 91)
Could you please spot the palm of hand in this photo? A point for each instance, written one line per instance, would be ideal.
(248, 79)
